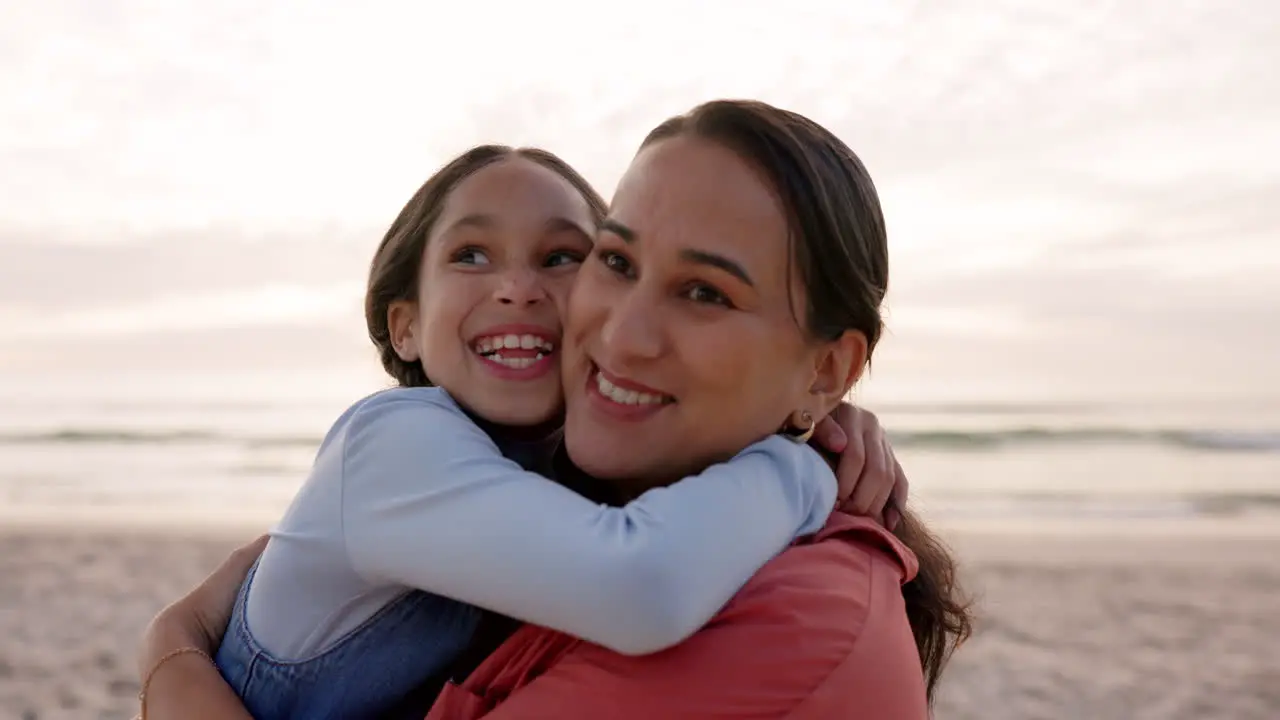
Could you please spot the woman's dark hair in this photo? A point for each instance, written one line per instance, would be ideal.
(838, 241)
(393, 274)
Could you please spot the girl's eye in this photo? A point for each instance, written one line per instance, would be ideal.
(707, 295)
(614, 262)
(563, 257)
(470, 256)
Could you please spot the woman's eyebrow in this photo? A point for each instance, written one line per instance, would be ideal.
(700, 257)
(617, 228)
(721, 262)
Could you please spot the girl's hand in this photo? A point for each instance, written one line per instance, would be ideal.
(871, 480)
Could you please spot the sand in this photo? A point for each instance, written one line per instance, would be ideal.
(1134, 628)
(1128, 628)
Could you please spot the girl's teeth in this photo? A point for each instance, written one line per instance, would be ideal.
(515, 362)
(623, 396)
(518, 363)
(524, 342)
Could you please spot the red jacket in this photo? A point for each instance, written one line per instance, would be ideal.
(819, 632)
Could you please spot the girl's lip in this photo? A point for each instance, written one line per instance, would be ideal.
(541, 358)
(551, 337)
(537, 369)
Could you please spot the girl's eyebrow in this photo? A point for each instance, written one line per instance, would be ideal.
(485, 221)
(560, 224)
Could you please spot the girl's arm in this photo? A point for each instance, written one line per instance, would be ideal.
(429, 502)
(820, 632)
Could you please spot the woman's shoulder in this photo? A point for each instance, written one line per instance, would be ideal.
(837, 599)
(824, 583)
(819, 631)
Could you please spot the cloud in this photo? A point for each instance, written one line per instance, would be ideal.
(41, 277)
(269, 305)
(128, 112)
(1087, 186)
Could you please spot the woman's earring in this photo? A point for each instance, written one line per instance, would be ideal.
(805, 431)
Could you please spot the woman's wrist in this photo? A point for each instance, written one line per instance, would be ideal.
(175, 664)
(187, 685)
(173, 670)
(170, 631)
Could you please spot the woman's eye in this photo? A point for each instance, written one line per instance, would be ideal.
(707, 295)
(615, 262)
(470, 256)
(563, 257)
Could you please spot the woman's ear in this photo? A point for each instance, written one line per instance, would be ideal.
(839, 365)
(402, 322)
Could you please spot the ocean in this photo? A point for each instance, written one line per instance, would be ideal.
(210, 462)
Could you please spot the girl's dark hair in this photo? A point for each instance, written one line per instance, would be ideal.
(838, 241)
(393, 274)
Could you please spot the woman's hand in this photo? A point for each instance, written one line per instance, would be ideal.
(870, 478)
(200, 618)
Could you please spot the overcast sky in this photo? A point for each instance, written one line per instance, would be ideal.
(1085, 193)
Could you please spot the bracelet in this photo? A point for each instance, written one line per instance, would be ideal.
(146, 682)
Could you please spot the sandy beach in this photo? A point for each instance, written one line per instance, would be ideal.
(1134, 628)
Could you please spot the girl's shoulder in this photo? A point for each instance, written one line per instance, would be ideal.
(396, 405)
(430, 400)
(435, 396)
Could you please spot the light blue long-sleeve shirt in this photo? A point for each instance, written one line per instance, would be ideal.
(407, 492)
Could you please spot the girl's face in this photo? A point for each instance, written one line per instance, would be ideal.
(492, 288)
(684, 341)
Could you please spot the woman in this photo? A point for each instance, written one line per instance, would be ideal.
(430, 503)
(737, 282)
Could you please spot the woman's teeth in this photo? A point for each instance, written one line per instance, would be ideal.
(492, 347)
(626, 397)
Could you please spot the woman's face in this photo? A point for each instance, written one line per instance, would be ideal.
(683, 341)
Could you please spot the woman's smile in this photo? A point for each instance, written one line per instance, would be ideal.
(622, 398)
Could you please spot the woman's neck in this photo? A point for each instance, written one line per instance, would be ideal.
(573, 478)
(615, 492)
(521, 434)
(630, 488)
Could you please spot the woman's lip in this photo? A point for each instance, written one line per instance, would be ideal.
(619, 411)
(627, 384)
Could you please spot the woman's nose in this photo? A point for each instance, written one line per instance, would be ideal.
(632, 329)
(520, 287)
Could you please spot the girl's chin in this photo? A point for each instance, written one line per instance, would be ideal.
(533, 415)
